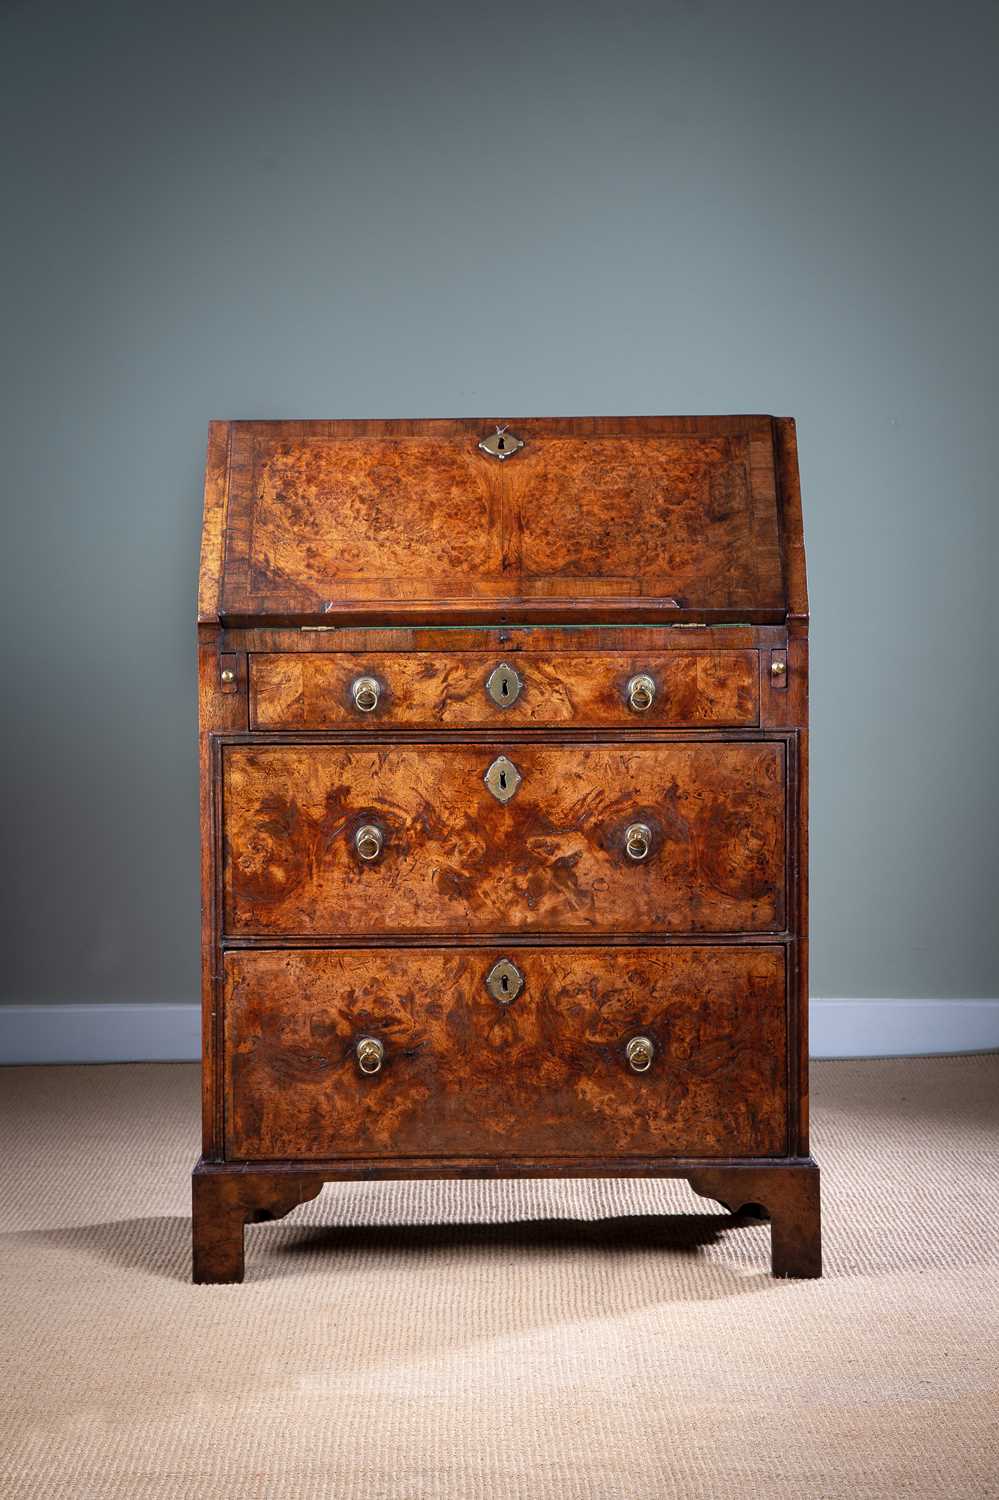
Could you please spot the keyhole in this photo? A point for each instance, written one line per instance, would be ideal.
(501, 442)
(505, 983)
(505, 687)
(502, 781)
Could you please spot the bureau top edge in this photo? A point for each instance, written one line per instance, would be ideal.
(477, 522)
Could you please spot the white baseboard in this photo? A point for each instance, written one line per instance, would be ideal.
(901, 1028)
(99, 1033)
(172, 1033)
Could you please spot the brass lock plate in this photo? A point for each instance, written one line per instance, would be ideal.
(501, 444)
(502, 778)
(504, 685)
(504, 981)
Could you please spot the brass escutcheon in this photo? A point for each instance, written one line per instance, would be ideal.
(370, 1053)
(501, 444)
(366, 691)
(504, 685)
(504, 981)
(502, 778)
(639, 1053)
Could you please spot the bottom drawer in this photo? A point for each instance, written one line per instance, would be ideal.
(539, 1068)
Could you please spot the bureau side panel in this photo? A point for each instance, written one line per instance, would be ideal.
(213, 525)
(221, 709)
(787, 707)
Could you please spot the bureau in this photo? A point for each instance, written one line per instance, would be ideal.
(503, 735)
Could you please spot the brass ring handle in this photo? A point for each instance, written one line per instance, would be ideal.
(640, 1053)
(641, 692)
(637, 840)
(370, 1053)
(366, 691)
(369, 842)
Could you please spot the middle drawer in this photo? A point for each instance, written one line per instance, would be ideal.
(323, 840)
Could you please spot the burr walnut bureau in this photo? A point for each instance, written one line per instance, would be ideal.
(503, 798)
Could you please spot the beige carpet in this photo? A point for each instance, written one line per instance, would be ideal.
(480, 1343)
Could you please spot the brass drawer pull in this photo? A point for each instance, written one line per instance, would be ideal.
(637, 841)
(366, 691)
(369, 842)
(370, 1053)
(641, 692)
(640, 1053)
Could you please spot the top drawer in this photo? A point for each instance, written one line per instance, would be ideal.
(422, 690)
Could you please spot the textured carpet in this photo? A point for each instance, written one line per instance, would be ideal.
(500, 1339)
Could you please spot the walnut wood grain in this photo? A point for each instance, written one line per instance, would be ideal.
(545, 1075)
(609, 518)
(551, 859)
(426, 691)
(448, 639)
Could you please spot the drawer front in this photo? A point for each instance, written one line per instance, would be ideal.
(463, 1074)
(553, 858)
(420, 690)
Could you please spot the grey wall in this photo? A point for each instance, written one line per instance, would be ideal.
(229, 210)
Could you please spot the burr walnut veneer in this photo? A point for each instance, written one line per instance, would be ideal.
(504, 812)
